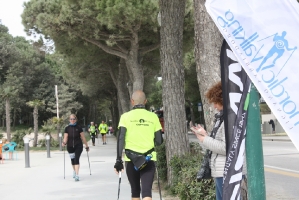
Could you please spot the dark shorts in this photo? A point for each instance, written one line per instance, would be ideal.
(103, 134)
(77, 149)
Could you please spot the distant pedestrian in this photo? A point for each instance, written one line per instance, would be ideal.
(9, 147)
(97, 130)
(273, 125)
(110, 130)
(1, 158)
(92, 131)
(74, 139)
(103, 128)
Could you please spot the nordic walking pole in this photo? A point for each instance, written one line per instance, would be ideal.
(64, 162)
(119, 175)
(88, 161)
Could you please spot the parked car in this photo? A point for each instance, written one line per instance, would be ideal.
(159, 113)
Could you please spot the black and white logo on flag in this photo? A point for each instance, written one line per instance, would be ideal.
(235, 86)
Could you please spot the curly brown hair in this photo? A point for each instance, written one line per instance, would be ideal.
(214, 94)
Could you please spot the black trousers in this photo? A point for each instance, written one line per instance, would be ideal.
(93, 137)
(146, 175)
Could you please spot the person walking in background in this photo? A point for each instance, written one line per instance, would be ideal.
(92, 132)
(139, 133)
(97, 130)
(103, 128)
(273, 125)
(217, 144)
(1, 157)
(9, 147)
(74, 139)
(110, 130)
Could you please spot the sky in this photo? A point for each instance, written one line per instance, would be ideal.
(10, 15)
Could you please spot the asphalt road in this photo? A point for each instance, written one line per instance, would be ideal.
(281, 162)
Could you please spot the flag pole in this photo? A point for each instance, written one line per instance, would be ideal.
(254, 149)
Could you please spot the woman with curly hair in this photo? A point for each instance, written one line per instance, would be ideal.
(215, 141)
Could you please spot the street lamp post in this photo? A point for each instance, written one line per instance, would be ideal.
(60, 141)
(26, 149)
(48, 145)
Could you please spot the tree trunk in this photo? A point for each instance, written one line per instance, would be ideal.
(120, 79)
(122, 89)
(208, 41)
(7, 109)
(137, 71)
(114, 113)
(14, 117)
(96, 113)
(172, 20)
(35, 119)
(119, 105)
(90, 110)
(3, 121)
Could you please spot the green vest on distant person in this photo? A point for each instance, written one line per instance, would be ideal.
(103, 128)
(92, 129)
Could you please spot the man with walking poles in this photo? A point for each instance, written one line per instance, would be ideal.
(103, 128)
(139, 132)
(92, 132)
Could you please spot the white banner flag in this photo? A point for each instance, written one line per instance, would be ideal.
(264, 36)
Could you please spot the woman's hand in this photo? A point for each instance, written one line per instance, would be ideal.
(65, 139)
(199, 131)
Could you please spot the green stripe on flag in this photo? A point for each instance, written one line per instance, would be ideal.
(246, 102)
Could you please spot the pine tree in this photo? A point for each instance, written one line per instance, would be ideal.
(66, 101)
(172, 20)
(35, 104)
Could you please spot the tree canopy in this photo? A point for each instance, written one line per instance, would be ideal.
(116, 27)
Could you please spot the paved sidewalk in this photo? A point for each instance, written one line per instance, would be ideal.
(44, 179)
(276, 138)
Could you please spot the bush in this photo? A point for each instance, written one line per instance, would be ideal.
(53, 143)
(18, 136)
(1, 135)
(161, 162)
(184, 182)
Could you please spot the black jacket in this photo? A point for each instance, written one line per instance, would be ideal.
(74, 137)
